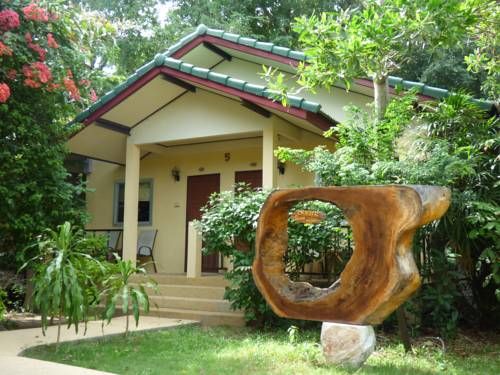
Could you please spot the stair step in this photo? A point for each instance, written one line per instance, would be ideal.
(189, 291)
(195, 304)
(207, 318)
(215, 281)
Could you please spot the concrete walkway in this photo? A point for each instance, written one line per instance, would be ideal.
(13, 343)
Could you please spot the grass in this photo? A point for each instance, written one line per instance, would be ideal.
(196, 350)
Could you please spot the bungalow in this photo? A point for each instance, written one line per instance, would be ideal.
(194, 121)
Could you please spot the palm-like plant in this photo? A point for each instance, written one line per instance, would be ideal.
(119, 289)
(64, 277)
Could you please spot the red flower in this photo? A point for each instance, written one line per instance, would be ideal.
(51, 42)
(5, 50)
(34, 13)
(8, 20)
(73, 91)
(4, 92)
(41, 52)
(32, 83)
(36, 74)
(28, 38)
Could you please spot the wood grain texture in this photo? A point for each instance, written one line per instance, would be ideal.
(381, 273)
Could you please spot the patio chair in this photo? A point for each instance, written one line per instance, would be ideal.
(146, 244)
(113, 243)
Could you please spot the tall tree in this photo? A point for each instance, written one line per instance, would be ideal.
(43, 82)
(377, 39)
(268, 20)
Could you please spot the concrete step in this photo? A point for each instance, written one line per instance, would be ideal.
(216, 280)
(190, 291)
(186, 303)
(207, 318)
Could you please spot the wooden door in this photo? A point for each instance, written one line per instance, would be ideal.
(252, 178)
(199, 189)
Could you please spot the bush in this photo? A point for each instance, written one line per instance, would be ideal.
(229, 225)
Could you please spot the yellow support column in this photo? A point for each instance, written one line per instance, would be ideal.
(269, 161)
(132, 170)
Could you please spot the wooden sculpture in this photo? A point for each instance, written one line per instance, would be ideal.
(381, 273)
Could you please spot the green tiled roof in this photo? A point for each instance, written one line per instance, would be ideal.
(235, 83)
(165, 59)
(161, 60)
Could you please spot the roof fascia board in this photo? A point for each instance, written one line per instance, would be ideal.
(179, 82)
(212, 47)
(113, 126)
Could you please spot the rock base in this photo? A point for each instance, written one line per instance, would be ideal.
(346, 344)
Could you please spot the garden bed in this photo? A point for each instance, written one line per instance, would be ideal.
(196, 350)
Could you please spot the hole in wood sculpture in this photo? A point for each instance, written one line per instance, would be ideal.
(319, 243)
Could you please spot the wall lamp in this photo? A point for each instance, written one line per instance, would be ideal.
(281, 167)
(176, 174)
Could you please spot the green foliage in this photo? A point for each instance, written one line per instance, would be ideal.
(327, 240)
(229, 225)
(118, 288)
(374, 40)
(485, 56)
(66, 277)
(34, 187)
(3, 309)
(265, 20)
(450, 143)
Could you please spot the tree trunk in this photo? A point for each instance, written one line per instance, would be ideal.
(126, 326)
(381, 90)
(59, 322)
(403, 329)
(29, 289)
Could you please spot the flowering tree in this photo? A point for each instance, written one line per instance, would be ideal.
(37, 50)
(43, 83)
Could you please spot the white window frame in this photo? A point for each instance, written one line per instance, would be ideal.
(117, 184)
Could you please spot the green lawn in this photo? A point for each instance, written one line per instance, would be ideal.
(195, 350)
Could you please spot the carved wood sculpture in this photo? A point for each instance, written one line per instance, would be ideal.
(381, 273)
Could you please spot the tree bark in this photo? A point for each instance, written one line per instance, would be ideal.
(403, 329)
(126, 326)
(381, 90)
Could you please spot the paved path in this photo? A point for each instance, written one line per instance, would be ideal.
(13, 343)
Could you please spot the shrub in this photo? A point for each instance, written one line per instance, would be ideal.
(66, 279)
(118, 288)
(229, 225)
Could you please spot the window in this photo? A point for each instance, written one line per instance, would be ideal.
(145, 202)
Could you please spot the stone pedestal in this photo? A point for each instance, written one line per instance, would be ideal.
(347, 344)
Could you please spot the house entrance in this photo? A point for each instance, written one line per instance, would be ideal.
(199, 189)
